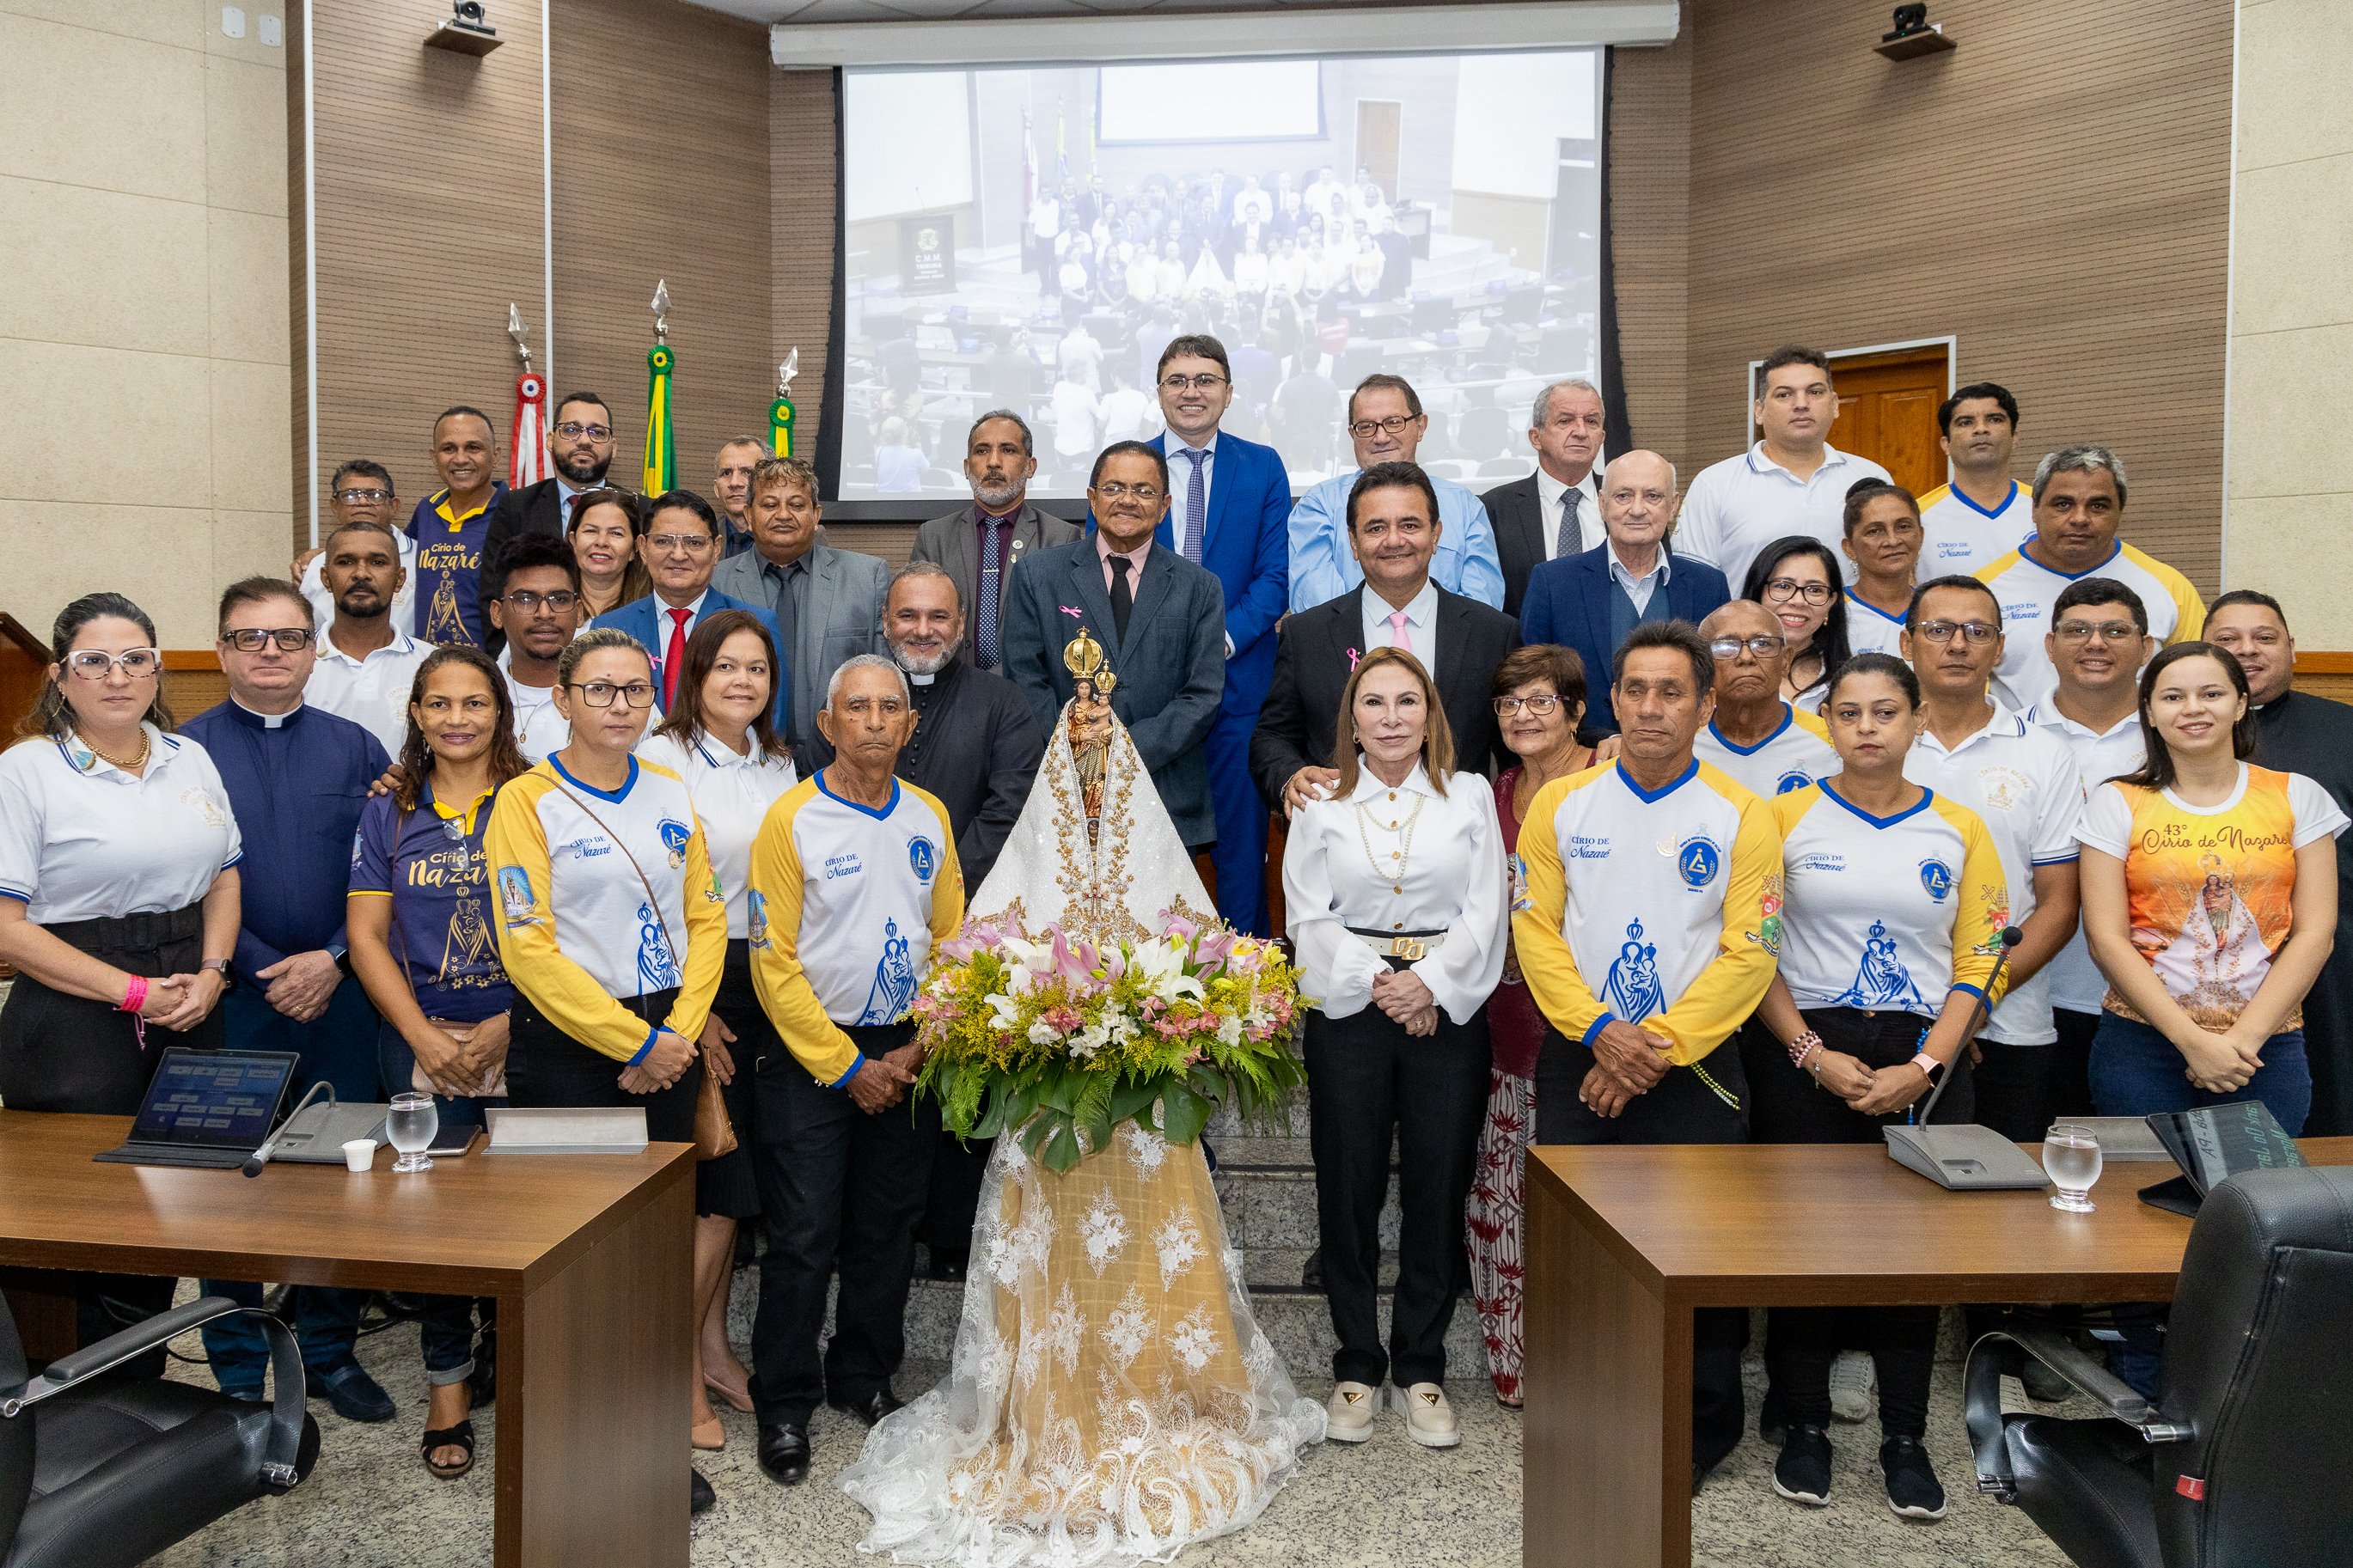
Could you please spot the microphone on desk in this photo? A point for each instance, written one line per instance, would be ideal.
(260, 1157)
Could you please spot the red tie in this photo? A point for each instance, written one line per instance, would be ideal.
(675, 660)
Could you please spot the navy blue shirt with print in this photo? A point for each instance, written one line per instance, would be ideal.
(430, 862)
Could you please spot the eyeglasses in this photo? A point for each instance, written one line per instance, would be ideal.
(692, 544)
(290, 640)
(600, 693)
(1147, 494)
(526, 601)
(598, 434)
(2083, 631)
(1192, 383)
(354, 498)
(1540, 706)
(93, 664)
(1365, 429)
(1781, 590)
(1729, 648)
(1942, 631)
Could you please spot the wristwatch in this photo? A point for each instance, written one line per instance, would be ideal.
(1929, 1064)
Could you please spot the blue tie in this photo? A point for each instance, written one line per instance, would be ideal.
(984, 633)
(1196, 505)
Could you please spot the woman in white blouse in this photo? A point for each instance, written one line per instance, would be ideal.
(1398, 907)
(722, 740)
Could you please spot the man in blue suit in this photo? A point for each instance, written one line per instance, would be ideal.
(1590, 602)
(1160, 621)
(681, 546)
(1229, 510)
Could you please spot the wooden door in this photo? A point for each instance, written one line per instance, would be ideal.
(1887, 412)
(1376, 142)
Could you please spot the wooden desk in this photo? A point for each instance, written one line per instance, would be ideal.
(1622, 1242)
(591, 1257)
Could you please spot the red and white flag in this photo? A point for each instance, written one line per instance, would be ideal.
(527, 449)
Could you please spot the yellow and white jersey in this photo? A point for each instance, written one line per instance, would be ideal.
(1887, 913)
(576, 927)
(2028, 590)
(1660, 908)
(1960, 538)
(847, 902)
(1797, 753)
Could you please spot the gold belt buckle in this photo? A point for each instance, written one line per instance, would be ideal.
(1409, 948)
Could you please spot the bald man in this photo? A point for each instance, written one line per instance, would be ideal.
(1591, 602)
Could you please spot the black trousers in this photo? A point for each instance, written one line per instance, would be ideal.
(836, 1186)
(547, 1067)
(727, 1187)
(1787, 1106)
(1681, 1109)
(1367, 1081)
(955, 1201)
(2023, 1089)
(70, 1054)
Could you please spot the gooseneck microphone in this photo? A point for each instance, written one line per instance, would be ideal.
(260, 1157)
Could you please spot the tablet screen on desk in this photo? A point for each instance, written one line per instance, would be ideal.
(226, 1099)
(2224, 1139)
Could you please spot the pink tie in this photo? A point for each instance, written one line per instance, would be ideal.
(1398, 637)
(675, 660)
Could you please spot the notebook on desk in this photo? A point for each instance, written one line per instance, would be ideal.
(207, 1110)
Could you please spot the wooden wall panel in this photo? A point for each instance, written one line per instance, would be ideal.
(1649, 192)
(2054, 192)
(428, 224)
(661, 172)
(800, 237)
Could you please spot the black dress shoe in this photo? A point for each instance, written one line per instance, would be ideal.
(1311, 1274)
(785, 1452)
(699, 1494)
(869, 1409)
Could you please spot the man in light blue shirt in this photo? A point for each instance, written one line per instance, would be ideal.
(1386, 421)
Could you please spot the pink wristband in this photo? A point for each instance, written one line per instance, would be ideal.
(135, 995)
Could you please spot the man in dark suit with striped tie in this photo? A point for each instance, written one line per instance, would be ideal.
(1555, 512)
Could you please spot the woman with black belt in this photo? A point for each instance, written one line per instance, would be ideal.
(1396, 889)
(117, 856)
(1890, 919)
(721, 740)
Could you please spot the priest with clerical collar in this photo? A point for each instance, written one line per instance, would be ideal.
(2299, 732)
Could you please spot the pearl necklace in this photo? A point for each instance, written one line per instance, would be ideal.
(1395, 874)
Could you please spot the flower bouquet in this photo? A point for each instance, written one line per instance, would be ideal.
(1064, 1040)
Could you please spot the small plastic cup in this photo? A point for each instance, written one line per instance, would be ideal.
(360, 1153)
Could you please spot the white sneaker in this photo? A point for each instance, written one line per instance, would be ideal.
(1348, 1413)
(1854, 1379)
(1428, 1419)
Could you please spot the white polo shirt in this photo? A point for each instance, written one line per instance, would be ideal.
(82, 840)
(323, 603)
(371, 692)
(731, 795)
(2023, 783)
(1958, 537)
(2076, 982)
(1737, 506)
(1870, 629)
(1794, 755)
(2026, 590)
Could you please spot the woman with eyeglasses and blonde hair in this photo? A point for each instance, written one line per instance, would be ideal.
(1398, 904)
(117, 893)
(1801, 582)
(1539, 703)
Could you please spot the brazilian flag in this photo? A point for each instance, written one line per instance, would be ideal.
(661, 449)
(780, 426)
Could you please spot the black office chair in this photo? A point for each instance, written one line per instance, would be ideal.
(2242, 1462)
(96, 1473)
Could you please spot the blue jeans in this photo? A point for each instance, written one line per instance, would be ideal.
(2136, 1071)
(446, 1331)
(326, 1325)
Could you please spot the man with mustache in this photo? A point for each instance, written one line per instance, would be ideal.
(980, 544)
(367, 665)
(580, 446)
(361, 491)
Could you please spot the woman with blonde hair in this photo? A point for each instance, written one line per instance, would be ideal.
(1398, 905)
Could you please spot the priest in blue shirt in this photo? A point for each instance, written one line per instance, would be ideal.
(1387, 424)
(297, 777)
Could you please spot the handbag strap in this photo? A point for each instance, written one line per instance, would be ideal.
(652, 900)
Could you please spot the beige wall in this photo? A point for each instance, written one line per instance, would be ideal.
(143, 314)
(2291, 408)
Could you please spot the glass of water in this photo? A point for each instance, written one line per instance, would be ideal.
(2071, 1157)
(410, 1124)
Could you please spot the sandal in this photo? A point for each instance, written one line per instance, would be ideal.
(462, 1436)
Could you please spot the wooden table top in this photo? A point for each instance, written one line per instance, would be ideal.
(1775, 1224)
(483, 1224)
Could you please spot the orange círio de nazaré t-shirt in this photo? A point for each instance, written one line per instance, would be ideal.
(2210, 888)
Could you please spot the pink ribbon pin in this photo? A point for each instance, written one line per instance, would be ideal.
(1069, 611)
(1353, 656)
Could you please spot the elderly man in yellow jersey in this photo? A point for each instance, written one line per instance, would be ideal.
(2079, 503)
(1648, 924)
(854, 879)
